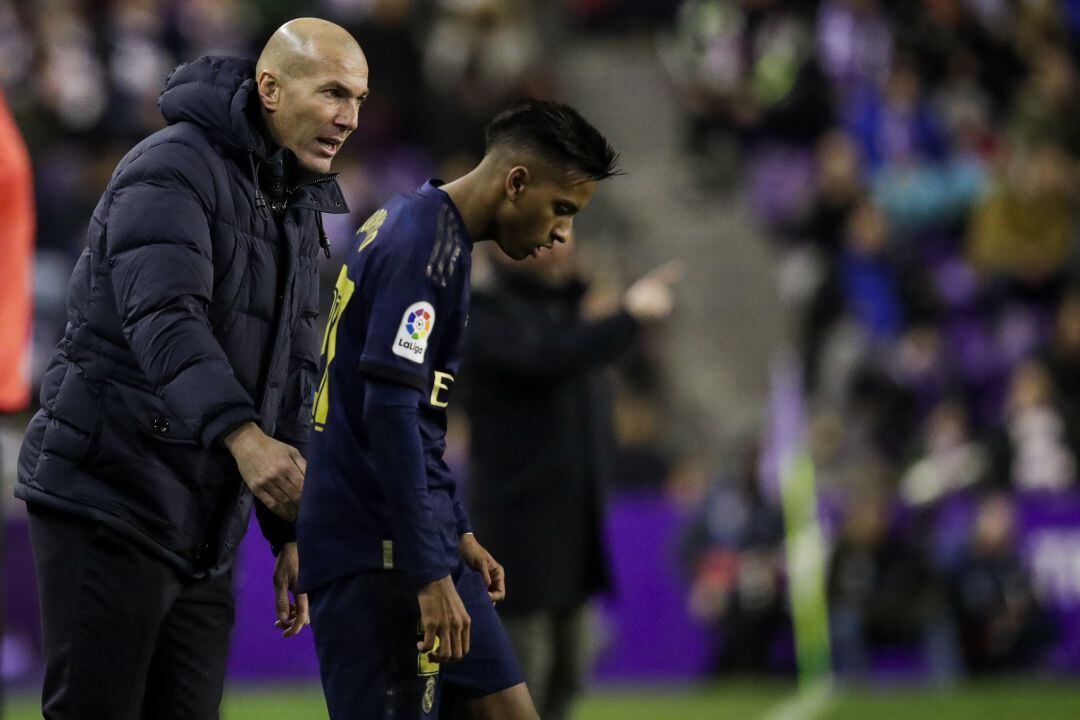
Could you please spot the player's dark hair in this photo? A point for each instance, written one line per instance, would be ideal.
(557, 133)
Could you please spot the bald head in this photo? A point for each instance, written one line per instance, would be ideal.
(301, 46)
(312, 79)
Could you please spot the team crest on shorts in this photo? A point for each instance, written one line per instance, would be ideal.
(428, 700)
(414, 331)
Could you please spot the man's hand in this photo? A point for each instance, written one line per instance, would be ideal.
(273, 470)
(444, 617)
(480, 560)
(651, 299)
(291, 616)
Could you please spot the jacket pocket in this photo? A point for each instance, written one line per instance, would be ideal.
(152, 463)
(150, 416)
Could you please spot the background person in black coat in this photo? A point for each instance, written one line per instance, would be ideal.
(182, 387)
(541, 447)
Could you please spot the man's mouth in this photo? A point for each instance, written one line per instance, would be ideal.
(329, 145)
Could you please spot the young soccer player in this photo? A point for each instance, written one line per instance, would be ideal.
(402, 594)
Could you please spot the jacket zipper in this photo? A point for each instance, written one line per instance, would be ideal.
(280, 206)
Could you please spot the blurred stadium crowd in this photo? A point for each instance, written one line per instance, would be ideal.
(914, 163)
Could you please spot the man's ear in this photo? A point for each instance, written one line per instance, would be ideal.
(517, 180)
(269, 90)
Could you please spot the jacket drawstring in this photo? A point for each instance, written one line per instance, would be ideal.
(264, 207)
(324, 241)
(260, 200)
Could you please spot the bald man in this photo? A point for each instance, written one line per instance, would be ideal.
(180, 395)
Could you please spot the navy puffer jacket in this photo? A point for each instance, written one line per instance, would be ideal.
(191, 311)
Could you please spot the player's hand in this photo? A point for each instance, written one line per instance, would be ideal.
(273, 470)
(475, 556)
(291, 616)
(651, 299)
(443, 616)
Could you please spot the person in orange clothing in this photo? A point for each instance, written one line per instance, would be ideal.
(16, 257)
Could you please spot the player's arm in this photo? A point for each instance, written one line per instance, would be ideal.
(162, 275)
(476, 556)
(396, 366)
(391, 416)
(405, 315)
(461, 517)
(479, 559)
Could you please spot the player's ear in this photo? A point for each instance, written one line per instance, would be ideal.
(269, 90)
(516, 182)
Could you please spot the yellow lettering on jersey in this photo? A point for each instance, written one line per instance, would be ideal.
(370, 228)
(441, 383)
(342, 293)
(425, 666)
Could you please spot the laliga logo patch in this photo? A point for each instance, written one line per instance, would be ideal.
(418, 323)
(412, 336)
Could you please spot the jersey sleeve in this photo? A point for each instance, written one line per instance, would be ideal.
(407, 309)
(390, 413)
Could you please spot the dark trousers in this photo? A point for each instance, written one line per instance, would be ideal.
(124, 636)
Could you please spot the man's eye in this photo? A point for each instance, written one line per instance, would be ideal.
(333, 92)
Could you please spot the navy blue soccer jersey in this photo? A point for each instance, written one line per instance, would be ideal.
(400, 307)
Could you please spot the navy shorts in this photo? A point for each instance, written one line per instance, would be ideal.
(366, 628)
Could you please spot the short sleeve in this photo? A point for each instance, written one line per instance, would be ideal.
(406, 312)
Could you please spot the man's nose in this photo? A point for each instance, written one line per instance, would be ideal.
(349, 118)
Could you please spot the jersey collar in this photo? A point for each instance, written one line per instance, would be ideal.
(432, 189)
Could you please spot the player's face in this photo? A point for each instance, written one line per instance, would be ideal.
(541, 214)
(316, 112)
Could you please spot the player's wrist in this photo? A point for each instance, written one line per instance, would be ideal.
(436, 585)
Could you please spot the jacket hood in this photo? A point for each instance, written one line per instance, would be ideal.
(214, 93)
